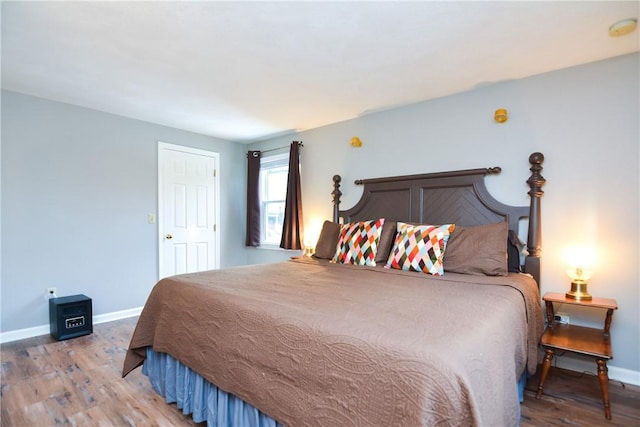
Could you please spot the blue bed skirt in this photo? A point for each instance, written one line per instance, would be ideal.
(196, 396)
(522, 382)
(205, 402)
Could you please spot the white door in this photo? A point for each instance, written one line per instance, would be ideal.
(187, 210)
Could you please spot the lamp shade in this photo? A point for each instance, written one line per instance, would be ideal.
(579, 274)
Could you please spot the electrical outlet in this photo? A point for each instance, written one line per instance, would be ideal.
(562, 318)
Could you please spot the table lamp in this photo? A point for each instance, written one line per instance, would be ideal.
(579, 272)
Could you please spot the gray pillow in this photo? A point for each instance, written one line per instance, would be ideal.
(387, 239)
(328, 240)
(480, 251)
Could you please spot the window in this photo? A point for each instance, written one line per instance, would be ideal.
(274, 171)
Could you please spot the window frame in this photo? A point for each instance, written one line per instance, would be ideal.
(267, 164)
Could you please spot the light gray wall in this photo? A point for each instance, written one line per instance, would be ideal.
(77, 186)
(586, 122)
(60, 194)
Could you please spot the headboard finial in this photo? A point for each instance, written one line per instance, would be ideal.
(536, 180)
(536, 158)
(336, 193)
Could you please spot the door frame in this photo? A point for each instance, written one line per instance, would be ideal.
(162, 148)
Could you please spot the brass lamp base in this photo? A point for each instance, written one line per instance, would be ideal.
(579, 291)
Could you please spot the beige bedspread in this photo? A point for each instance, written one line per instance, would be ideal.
(316, 344)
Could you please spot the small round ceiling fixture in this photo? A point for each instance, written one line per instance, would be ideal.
(624, 27)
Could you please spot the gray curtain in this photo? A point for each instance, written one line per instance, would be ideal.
(253, 199)
(293, 228)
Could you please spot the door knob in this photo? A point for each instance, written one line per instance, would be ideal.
(168, 237)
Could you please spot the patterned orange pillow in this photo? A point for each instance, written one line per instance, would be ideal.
(420, 248)
(358, 243)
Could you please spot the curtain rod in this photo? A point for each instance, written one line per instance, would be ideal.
(255, 153)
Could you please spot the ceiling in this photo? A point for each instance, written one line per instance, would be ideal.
(245, 71)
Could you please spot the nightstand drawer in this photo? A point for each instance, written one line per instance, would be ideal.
(578, 339)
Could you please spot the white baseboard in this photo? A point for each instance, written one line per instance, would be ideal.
(116, 315)
(35, 331)
(626, 376)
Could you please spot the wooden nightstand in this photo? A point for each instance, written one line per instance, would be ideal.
(579, 339)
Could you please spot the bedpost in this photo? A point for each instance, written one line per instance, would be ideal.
(336, 193)
(534, 238)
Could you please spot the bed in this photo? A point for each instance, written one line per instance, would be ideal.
(316, 341)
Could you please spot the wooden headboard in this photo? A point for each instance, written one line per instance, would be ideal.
(458, 197)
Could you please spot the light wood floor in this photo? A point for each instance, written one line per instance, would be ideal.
(78, 382)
